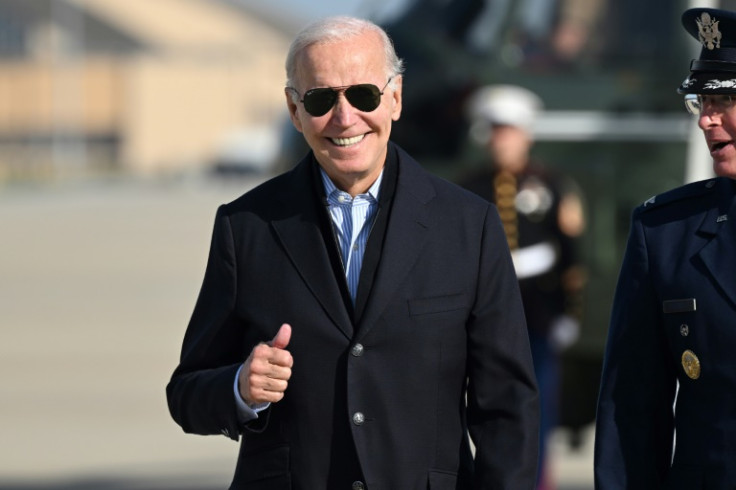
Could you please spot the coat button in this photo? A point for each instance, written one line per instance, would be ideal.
(684, 330)
(358, 418)
(358, 485)
(357, 350)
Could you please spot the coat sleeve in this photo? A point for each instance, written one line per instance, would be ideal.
(634, 426)
(200, 393)
(503, 402)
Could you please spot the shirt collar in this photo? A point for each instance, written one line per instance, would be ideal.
(330, 186)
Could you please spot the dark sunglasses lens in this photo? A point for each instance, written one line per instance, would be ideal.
(319, 101)
(365, 97)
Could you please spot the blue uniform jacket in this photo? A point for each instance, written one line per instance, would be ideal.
(667, 406)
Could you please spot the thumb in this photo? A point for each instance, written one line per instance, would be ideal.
(281, 340)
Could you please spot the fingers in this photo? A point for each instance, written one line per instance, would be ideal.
(270, 361)
(266, 372)
(264, 381)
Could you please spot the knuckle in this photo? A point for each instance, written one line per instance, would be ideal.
(259, 366)
(288, 360)
(254, 380)
(261, 350)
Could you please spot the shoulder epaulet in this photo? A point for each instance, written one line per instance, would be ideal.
(686, 191)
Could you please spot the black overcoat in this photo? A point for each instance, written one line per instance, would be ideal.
(440, 346)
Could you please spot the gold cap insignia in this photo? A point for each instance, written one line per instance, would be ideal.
(708, 33)
(691, 364)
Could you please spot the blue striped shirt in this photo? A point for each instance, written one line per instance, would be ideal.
(353, 218)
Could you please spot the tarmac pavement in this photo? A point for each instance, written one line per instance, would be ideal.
(97, 282)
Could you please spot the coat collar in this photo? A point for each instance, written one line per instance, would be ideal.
(298, 229)
(408, 224)
(719, 223)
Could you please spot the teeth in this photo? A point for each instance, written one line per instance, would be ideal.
(347, 141)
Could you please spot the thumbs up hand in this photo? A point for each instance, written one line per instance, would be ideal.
(282, 338)
(267, 370)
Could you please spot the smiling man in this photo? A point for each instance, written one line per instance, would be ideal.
(359, 318)
(667, 409)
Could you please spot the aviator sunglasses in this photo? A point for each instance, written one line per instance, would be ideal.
(365, 97)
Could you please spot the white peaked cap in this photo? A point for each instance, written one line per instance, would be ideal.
(505, 104)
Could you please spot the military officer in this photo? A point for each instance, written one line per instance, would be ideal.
(542, 216)
(667, 406)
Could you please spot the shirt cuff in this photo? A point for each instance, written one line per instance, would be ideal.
(246, 412)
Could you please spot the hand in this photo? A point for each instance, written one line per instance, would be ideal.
(267, 370)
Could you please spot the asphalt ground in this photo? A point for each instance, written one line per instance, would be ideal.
(97, 282)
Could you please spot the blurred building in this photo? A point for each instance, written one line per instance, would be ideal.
(137, 86)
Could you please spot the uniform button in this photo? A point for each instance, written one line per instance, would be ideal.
(357, 350)
(358, 485)
(358, 418)
(684, 330)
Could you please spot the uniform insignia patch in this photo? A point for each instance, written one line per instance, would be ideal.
(708, 33)
(679, 305)
(534, 198)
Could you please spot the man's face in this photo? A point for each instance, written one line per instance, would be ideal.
(350, 145)
(718, 122)
(509, 147)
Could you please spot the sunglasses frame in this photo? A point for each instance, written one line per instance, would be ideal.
(334, 93)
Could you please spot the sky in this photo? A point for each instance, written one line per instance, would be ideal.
(315, 9)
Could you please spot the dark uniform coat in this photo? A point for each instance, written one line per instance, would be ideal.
(377, 398)
(673, 325)
(535, 225)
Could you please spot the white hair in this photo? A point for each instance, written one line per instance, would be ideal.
(334, 29)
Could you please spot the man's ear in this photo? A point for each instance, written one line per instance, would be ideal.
(396, 98)
(293, 110)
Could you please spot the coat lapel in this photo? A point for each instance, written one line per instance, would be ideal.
(406, 236)
(298, 229)
(717, 254)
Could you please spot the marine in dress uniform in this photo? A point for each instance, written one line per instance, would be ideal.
(667, 406)
(542, 217)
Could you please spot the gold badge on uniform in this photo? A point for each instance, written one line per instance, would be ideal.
(691, 364)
